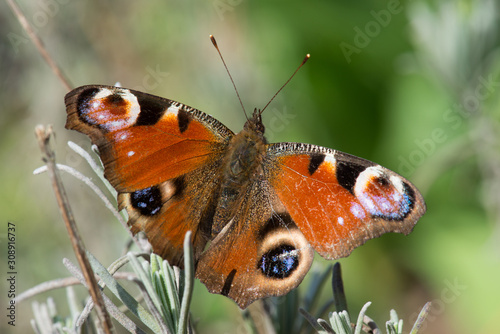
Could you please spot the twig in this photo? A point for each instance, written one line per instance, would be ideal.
(39, 44)
(43, 135)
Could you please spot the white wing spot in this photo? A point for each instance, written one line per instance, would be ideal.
(397, 183)
(340, 220)
(135, 109)
(130, 153)
(366, 177)
(173, 109)
(357, 211)
(330, 158)
(104, 92)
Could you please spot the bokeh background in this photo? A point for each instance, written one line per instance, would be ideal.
(412, 85)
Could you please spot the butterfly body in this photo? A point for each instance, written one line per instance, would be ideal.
(242, 165)
(257, 210)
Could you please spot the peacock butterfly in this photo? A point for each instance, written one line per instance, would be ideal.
(257, 210)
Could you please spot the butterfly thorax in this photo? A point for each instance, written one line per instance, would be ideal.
(244, 157)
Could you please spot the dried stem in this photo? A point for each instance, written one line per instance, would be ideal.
(43, 135)
(39, 44)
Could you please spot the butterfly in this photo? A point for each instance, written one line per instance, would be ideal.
(258, 211)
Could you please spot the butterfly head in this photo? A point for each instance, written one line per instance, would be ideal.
(255, 124)
(246, 150)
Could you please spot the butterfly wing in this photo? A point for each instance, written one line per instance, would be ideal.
(306, 196)
(144, 139)
(340, 201)
(155, 152)
(260, 253)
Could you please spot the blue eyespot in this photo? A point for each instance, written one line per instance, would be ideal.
(147, 201)
(279, 262)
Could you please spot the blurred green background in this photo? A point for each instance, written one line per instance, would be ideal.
(413, 86)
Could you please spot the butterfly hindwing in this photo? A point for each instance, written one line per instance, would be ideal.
(340, 201)
(166, 212)
(260, 253)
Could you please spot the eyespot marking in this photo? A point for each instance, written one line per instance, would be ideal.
(384, 196)
(147, 201)
(279, 262)
(110, 110)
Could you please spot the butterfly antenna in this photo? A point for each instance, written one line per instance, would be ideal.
(214, 42)
(286, 83)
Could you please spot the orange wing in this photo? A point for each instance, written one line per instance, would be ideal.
(340, 201)
(143, 139)
(259, 253)
(165, 212)
(160, 156)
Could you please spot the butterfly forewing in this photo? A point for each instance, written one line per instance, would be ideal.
(340, 201)
(143, 139)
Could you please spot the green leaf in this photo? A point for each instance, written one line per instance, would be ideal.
(133, 305)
